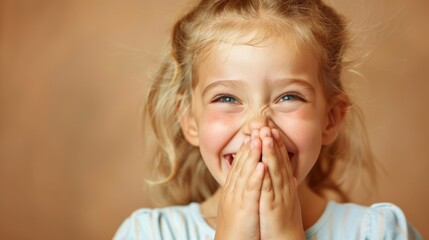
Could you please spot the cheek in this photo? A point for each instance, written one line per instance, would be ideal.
(303, 133)
(306, 137)
(303, 130)
(216, 129)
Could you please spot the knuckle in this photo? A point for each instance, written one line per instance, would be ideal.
(277, 172)
(267, 187)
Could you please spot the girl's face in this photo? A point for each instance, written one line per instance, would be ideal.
(243, 87)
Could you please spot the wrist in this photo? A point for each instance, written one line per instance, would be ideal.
(296, 234)
(290, 237)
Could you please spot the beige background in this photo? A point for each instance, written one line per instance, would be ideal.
(73, 73)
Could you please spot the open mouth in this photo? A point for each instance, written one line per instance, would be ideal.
(229, 158)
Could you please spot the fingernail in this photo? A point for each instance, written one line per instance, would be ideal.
(253, 144)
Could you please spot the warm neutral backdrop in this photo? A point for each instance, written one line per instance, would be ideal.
(72, 77)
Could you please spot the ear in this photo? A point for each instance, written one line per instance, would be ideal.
(335, 114)
(189, 127)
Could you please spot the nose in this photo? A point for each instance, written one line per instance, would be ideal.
(257, 121)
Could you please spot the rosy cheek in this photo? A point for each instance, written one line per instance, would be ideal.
(217, 128)
(218, 119)
(212, 115)
(302, 128)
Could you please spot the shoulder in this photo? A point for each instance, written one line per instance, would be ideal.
(388, 221)
(378, 221)
(165, 223)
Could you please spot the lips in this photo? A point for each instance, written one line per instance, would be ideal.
(229, 158)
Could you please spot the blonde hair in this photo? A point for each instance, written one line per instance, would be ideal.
(181, 175)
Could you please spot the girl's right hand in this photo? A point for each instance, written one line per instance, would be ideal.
(238, 212)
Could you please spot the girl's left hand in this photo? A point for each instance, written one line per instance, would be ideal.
(279, 207)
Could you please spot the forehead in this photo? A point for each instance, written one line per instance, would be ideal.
(218, 38)
(260, 34)
(278, 51)
(247, 34)
(257, 65)
(260, 30)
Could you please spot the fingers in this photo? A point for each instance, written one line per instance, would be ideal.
(243, 185)
(273, 181)
(286, 166)
(280, 144)
(253, 190)
(279, 206)
(274, 163)
(272, 157)
(243, 176)
(267, 191)
(248, 165)
(242, 154)
(275, 157)
(244, 165)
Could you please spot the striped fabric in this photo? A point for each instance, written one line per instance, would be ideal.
(339, 221)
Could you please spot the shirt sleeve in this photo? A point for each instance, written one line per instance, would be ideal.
(136, 226)
(387, 221)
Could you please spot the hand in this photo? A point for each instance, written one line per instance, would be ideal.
(238, 212)
(279, 207)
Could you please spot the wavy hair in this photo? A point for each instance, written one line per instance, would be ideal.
(180, 174)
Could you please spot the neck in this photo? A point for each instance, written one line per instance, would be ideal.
(209, 208)
(312, 206)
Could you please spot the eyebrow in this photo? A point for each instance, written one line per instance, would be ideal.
(283, 82)
(280, 83)
(224, 83)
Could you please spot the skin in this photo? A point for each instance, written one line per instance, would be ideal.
(260, 118)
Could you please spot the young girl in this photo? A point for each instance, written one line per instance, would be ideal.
(251, 118)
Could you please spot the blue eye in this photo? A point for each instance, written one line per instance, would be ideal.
(290, 97)
(226, 99)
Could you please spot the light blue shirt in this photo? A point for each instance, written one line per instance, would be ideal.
(338, 221)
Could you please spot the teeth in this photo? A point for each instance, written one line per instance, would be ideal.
(233, 155)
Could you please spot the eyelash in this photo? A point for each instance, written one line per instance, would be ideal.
(226, 99)
(292, 97)
(230, 99)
